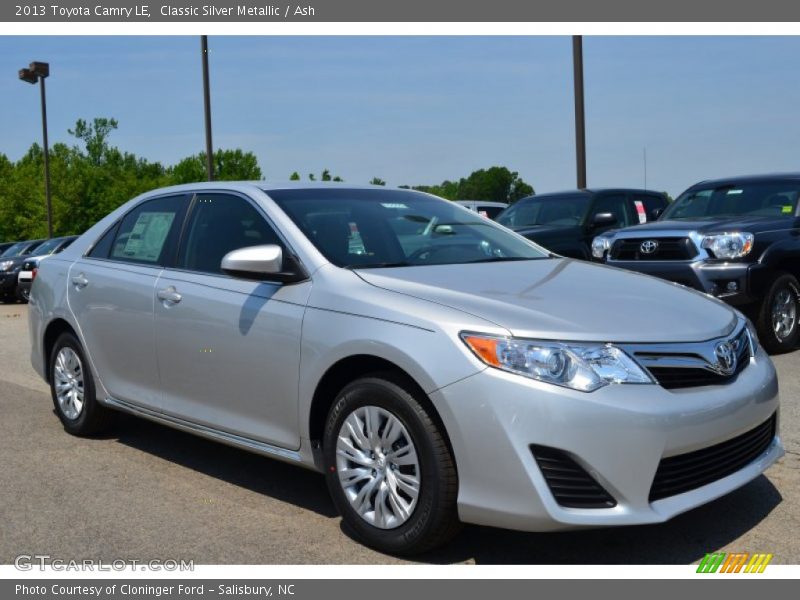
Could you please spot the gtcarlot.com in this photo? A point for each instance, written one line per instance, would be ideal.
(30, 562)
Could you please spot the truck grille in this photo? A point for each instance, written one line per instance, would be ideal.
(569, 483)
(666, 249)
(685, 472)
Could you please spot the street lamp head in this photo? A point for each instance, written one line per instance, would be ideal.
(42, 69)
(28, 75)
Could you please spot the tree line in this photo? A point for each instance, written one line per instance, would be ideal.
(90, 178)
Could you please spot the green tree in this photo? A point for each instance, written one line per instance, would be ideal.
(497, 184)
(229, 165)
(377, 181)
(94, 136)
(294, 176)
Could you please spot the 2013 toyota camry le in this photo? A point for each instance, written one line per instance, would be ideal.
(435, 366)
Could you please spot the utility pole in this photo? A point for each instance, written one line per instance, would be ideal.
(580, 122)
(207, 107)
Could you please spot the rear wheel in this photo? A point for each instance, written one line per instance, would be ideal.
(777, 318)
(388, 467)
(72, 388)
(23, 294)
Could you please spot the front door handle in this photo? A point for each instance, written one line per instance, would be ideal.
(169, 295)
(80, 281)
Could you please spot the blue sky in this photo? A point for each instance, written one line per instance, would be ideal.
(421, 109)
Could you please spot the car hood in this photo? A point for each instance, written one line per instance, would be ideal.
(710, 225)
(564, 299)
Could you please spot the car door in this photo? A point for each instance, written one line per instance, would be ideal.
(229, 348)
(111, 295)
(647, 207)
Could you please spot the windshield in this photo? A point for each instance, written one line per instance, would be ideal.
(766, 199)
(390, 228)
(562, 210)
(48, 247)
(13, 250)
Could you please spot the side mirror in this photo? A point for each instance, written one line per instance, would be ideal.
(260, 262)
(605, 219)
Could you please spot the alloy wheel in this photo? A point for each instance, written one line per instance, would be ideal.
(68, 383)
(378, 467)
(784, 313)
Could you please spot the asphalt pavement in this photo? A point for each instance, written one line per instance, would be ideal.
(148, 492)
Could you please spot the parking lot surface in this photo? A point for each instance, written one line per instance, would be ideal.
(147, 492)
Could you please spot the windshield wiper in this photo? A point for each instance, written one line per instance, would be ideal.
(380, 265)
(504, 259)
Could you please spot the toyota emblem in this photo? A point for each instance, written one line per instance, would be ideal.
(726, 358)
(648, 246)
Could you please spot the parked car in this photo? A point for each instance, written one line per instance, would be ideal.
(736, 239)
(29, 268)
(434, 373)
(10, 263)
(484, 208)
(566, 222)
(5, 246)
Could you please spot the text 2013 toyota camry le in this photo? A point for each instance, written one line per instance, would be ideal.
(437, 367)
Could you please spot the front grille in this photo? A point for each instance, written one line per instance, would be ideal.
(668, 249)
(569, 483)
(673, 378)
(685, 472)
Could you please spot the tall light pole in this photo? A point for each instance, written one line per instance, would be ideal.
(207, 107)
(38, 72)
(580, 122)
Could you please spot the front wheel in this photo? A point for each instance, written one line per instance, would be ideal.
(389, 468)
(24, 294)
(776, 322)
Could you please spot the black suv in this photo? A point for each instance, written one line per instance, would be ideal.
(566, 222)
(736, 239)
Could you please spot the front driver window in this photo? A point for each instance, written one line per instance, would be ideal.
(616, 205)
(218, 224)
(144, 233)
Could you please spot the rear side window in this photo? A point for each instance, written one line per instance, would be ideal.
(147, 234)
(646, 205)
(218, 224)
(490, 211)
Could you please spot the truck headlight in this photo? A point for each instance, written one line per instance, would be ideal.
(600, 245)
(729, 245)
(582, 367)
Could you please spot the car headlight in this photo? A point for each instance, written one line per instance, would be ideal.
(729, 245)
(582, 367)
(600, 245)
(6, 265)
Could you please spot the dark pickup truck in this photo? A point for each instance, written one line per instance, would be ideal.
(736, 239)
(566, 222)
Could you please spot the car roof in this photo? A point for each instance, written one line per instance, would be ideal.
(482, 202)
(265, 186)
(592, 191)
(745, 179)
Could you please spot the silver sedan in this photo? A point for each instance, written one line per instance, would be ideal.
(435, 366)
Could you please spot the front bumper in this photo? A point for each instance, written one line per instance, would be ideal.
(8, 282)
(618, 434)
(710, 277)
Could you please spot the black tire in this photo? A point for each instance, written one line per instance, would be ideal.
(776, 344)
(94, 418)
(434, 519)
(24, 295)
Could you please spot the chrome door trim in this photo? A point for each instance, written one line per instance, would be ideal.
(230, 439)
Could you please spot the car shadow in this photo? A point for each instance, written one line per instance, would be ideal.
(282, 481)
(683, 540)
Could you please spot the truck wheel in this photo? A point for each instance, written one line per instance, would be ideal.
(776, 322)
(389, 468)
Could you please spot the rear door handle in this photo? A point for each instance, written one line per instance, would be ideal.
(169, 295)
(80, 281)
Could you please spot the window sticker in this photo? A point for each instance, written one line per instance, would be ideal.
(786, 210)
(733, 192)
(148, 236)
(641, 213)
